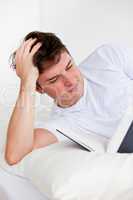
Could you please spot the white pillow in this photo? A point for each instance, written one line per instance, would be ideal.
(64, 171)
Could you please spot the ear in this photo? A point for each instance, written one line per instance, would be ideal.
(40, 90)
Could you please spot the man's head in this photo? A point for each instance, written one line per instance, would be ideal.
(58, 75)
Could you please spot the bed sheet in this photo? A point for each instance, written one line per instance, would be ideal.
(14, 188)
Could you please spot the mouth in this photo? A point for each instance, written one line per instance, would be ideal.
(68, 99)
(73, 88)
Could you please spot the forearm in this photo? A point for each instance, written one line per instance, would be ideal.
(21, 125)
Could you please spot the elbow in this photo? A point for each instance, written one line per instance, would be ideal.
(11, 159)
(15, 153)
(11, 156)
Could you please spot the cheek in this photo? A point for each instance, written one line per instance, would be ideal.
(76, 73)
(54, 90)
(50, 91)
(59, 88)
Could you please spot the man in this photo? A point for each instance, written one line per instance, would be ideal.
(92, 97)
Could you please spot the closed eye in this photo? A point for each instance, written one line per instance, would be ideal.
(69, 67)
(53, 80)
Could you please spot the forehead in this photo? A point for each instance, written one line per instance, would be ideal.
(55, 69)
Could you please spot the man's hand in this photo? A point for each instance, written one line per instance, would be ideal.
(25, 69)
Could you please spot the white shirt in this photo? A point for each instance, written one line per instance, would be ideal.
(108, 79)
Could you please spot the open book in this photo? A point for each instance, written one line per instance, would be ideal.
(121, 141)
(89, 141)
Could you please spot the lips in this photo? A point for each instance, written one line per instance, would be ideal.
(73, 88)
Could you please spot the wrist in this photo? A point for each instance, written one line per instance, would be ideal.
(28, 86)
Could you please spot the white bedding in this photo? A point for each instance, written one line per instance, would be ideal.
(16, 188)
(65, 172)
(68, 172)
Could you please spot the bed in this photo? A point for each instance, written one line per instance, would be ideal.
(13, 188)
(69, 173)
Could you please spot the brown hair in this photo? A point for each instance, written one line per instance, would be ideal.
(50, 49)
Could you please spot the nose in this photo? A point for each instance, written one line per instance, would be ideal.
(67, 79)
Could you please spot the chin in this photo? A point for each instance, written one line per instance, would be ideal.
(66, 104)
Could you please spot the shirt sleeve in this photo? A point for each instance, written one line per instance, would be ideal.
(111, 57)
(52, 125)
(126, 55)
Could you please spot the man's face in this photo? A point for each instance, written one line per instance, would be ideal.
(62, 81)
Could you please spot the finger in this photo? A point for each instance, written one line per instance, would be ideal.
(35, 48)
(24, 43)
(28, 45)
(18, 55)
(20, 51)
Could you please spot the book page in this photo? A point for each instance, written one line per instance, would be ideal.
(91, 141)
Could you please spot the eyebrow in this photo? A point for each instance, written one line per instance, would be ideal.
(58, 74)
